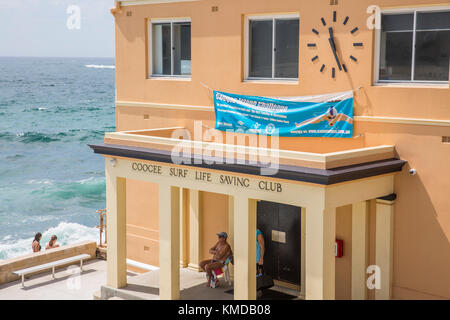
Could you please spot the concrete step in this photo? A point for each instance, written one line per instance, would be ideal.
(97, 295)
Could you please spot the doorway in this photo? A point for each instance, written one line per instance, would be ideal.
(280, 225)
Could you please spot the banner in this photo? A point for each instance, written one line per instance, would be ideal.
(329, 115)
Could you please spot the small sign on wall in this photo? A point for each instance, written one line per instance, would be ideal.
(278, 236)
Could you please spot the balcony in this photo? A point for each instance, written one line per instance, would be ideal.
(250, 154)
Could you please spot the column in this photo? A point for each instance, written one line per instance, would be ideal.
(360, 249)
(384, 236)
(116, 265)
(320, 258)
(169, 242)
(184, 232)
(231, 230)
(244, 248)
(195, 237)
(303, 254)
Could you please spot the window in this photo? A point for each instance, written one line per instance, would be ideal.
(272, 48)
(170, 48)
(414, 46)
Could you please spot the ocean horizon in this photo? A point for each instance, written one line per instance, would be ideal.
(51, 182)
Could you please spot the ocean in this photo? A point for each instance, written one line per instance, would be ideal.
(50, 180)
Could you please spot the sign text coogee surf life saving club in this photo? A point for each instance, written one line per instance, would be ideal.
(329, 115)
(208, 177)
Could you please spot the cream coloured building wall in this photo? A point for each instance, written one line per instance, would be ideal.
(422, 214)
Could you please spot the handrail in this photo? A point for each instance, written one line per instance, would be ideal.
(102, 226)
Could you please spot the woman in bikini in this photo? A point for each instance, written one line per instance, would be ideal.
(36, 245)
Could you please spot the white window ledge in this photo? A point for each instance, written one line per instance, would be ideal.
(271, 81)
(170, 78)
(438, 85)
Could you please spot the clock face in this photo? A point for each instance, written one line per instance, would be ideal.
(336, 38)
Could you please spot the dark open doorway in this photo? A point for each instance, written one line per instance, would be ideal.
(280, 225)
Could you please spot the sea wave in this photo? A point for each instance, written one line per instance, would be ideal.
(8, 136)
(43, 181)
(34, 109)
(67, 233)
(89, 189)
(14, 157)
(92, 134)
(99, 66)
(31, 137)
(40, 137)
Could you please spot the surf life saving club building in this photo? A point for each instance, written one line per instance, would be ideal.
(325, 124)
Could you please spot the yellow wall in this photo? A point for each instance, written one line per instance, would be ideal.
(214, 220)
(422, 214)
(142, 222)
(344, 264)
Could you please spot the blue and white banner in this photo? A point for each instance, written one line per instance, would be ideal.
(329, 115)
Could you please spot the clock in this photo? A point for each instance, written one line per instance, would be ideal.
(334, 46)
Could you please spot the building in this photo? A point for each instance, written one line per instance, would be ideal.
(383, 192)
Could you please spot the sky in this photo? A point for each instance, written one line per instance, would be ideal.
(49, 28)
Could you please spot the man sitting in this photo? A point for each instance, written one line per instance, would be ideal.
(221, 251)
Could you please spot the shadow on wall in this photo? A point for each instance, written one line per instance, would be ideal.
(362, 103)
(422, 214)
(421, 239)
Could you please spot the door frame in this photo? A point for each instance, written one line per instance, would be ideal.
(302, 287)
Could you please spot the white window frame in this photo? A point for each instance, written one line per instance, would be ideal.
(272, 17)
(150, 74)
(411, 82)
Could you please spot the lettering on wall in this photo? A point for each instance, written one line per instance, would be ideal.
(208, 177)
(235, 181)
(146, 168)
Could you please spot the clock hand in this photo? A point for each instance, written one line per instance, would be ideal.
(333, 48)
(332, 37)
(330, 30)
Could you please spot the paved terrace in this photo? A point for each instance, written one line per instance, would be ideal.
(192, 285)
(67, 285)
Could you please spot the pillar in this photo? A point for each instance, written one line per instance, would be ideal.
(360, 249)
(320, 257)
(384, 236)
(116, 268)
(195, 237)
(244, 248)
(303, 254)
(169, 242)
(184, 232)
(231, 230)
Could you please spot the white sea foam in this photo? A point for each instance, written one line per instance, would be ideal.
(67, 233)
(43, 181)
(99, 66)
